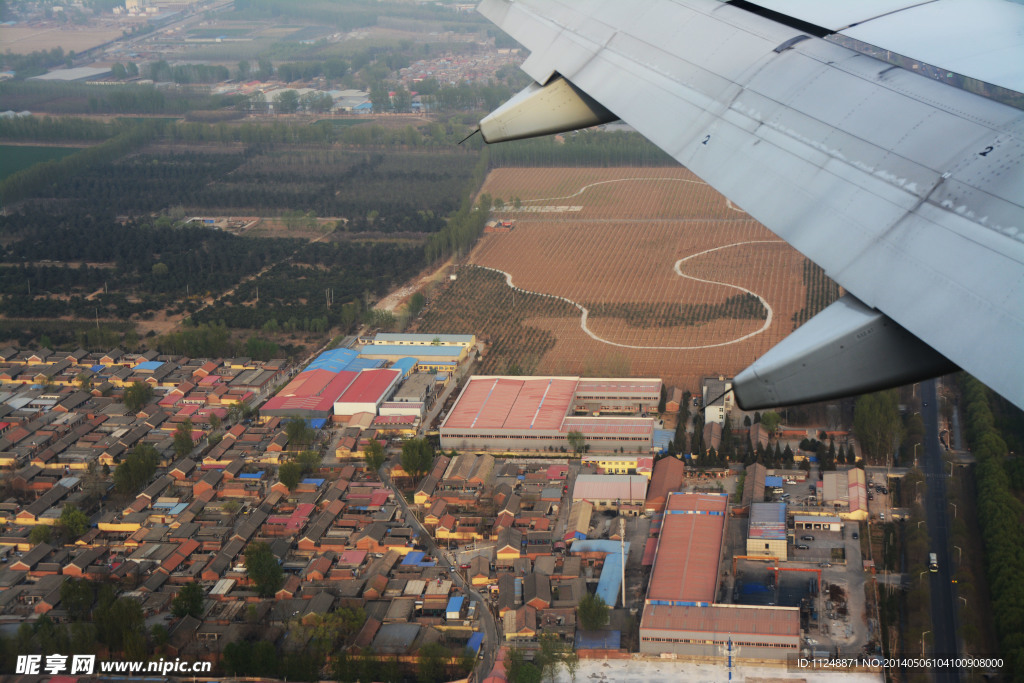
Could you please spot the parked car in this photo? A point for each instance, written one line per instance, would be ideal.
(807, 537)
(855, 535)
(803, 546)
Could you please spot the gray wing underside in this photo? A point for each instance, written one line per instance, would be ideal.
(907, 191)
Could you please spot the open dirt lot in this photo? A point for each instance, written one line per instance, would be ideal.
(658, 259)
(26, 39)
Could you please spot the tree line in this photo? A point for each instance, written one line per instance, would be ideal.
(50, 174)
(583, 148)
(999, 516)
(129, 98)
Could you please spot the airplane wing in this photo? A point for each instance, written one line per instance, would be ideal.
(827, 123)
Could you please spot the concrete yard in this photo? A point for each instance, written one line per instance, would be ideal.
(648, 671)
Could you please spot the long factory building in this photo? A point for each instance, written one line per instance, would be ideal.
(680, 613)
(522, 414)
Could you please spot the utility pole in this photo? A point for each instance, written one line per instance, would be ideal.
(622, 548)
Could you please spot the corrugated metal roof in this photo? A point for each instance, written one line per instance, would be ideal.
(619, 386)
(512, 403)
(689, 547)
(734, 620)
(369, 386)
(623, 487)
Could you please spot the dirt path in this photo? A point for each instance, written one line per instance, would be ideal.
(394, 299)
(584, 313)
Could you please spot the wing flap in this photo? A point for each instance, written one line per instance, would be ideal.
(874, 173)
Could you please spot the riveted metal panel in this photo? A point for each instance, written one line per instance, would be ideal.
(878, 175)
(983, 39)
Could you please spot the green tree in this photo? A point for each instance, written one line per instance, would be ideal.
(264, 569)
(374, 455)
(74, 521)
(417, 457)
(576, 441)
(76, 596)
(183, 443)
(519, 670)
(286, 102)
(572, 664)
(84, 380)
(433, 658)
(290, 473)
(299, 433)
(188, 601)
(136, 469)
(771, 420)
(876, 422)
(41, 533)
(593, 612)
(137, 396)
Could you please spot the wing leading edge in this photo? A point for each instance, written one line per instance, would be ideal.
(905, 190)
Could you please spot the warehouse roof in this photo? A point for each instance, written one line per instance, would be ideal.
(369, 386)
(417, 351)
(768, 521)
(428, 339)
(312, 390)
(619, 386)
(610, 487)
(512, 403)
(686, 564)
(735, 620)
(640, 426)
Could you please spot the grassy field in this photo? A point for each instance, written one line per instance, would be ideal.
(14, 158)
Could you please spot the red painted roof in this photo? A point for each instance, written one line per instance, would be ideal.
(512, 403)
(737, 620)
(369, 386)
(312, 390)
(689, 547)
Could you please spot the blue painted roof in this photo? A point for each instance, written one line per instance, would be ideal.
(318, 423)
(149, 365)
(455, 604)
(475, 641)
(598, 640)
(358, 364)
(414, 557)
(97, 368)
(315, 482)
(334, 360)
(406, 365)
(611, 573)
(422, 338)
(773, 481)
(662, 438)
(251, 475)
(414, 351)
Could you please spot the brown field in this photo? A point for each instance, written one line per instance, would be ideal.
(613, 247)
(26, 39)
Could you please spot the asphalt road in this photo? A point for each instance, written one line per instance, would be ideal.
(938, 511)
(490, 645)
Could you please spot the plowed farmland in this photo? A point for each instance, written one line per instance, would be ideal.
(675, 281)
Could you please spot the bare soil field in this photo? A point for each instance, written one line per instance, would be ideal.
(26, 39)
(677, 282)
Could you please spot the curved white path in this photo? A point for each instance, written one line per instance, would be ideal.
(583, 189)
(678, 269)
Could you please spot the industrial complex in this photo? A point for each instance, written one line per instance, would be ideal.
(680, 612)
(516, 414)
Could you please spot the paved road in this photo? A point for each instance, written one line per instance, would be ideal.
(490, 646)
(944, 637)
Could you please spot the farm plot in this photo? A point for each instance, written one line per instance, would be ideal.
(676, 281)
(479, 301)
